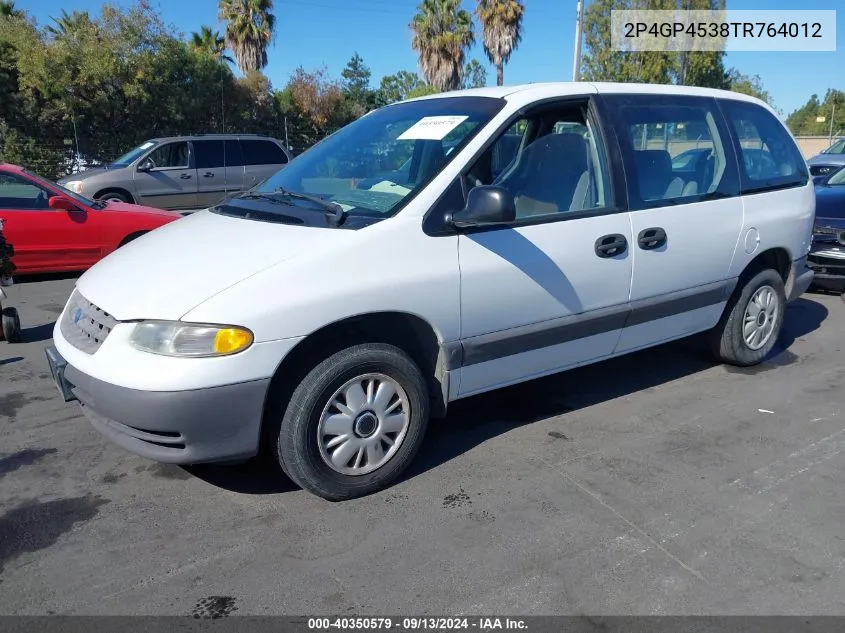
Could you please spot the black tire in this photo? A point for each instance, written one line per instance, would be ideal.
(114, 195)
(726, 339)
(130, 238)
(11, 325)
(297, 447)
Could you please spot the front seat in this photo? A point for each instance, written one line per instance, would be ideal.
(655, 176)
(553, 176)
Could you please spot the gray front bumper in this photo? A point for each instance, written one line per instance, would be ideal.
(180, 427)
(801, 276)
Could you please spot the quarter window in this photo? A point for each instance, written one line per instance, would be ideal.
(262, 153)
(170, 156)
(769, 158)
(20, 194)
(550, 161)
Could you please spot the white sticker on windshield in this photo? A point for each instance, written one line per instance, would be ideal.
(147, 145)
(432, 128)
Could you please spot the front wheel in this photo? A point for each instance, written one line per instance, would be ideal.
(752, 321)
(354, 423)
(11, 325)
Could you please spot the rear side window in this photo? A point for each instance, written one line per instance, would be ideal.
(768, 157)
(209, 154)
(258, 152)
(675, 150)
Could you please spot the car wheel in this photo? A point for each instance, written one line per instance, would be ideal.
(11, 325)
(354, 423)
(113, 195)
(751, 324)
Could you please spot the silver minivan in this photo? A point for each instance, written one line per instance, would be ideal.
(183, 172)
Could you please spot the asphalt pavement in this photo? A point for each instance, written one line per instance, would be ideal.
(657, 483)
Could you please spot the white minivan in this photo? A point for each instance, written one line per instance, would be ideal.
(327, 321)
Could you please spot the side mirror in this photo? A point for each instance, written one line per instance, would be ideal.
(60, 202)
(486, 206)
(146, 165)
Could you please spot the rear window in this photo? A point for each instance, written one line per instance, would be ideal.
(256, 152)
(768, 157)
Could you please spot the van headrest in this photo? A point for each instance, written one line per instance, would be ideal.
(654, 172)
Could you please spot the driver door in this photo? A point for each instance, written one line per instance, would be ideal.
(44, 239)
(549, 291)
(171, 183)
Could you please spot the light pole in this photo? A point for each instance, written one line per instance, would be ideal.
(576, 62)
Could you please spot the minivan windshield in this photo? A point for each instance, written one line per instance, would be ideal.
(362, 167)
(129, 157)
(837, 148)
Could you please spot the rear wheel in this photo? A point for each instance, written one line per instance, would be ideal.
(11, 325)
(751, 324)
(354, 423)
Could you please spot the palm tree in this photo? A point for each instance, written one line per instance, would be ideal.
(249, 31)
(501, 25)
(210, 43)
(7, 9)
(442, 33)
(69, 23)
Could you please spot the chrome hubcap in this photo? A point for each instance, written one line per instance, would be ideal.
(760, 317)
(363, 424)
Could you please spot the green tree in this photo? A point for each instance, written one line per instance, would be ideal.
(68, 24)
(209, 42)
(398, 87)
(442, 34)
(475, 75)
(356, 87)
(804, 121)
(748, 85)
(7, 9)
(250, 28)
(501, 26)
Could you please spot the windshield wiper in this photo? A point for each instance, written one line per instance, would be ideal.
(334, 212)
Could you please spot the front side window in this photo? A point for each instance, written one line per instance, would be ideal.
(16, 193)
(769, 158)
(170, 156)
(673, 150)
(550, 161)
(362, 167)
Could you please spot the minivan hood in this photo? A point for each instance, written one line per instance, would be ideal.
(827, 159)
(169, 271)
(87, 173)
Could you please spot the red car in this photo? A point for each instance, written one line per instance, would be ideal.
(56, 230)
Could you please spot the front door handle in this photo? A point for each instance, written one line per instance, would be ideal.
(652, 238)
(185, 176)
(611, 245)
(208, 174)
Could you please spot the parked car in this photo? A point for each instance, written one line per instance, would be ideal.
(56, 230)
(828, 161)
(827, 257)
(184, 172)
(328, 323)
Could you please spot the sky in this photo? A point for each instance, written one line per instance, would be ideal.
(315, 33)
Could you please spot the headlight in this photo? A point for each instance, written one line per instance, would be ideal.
(75, 186)
(172, 338)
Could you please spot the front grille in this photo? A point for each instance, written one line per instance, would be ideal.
(84, 325)
(821, 170)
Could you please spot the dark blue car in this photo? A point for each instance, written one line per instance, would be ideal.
(827, 255)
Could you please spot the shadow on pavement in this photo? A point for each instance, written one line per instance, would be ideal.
(258, 476)
(474, 420)
(37, 333)
(39, 277)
